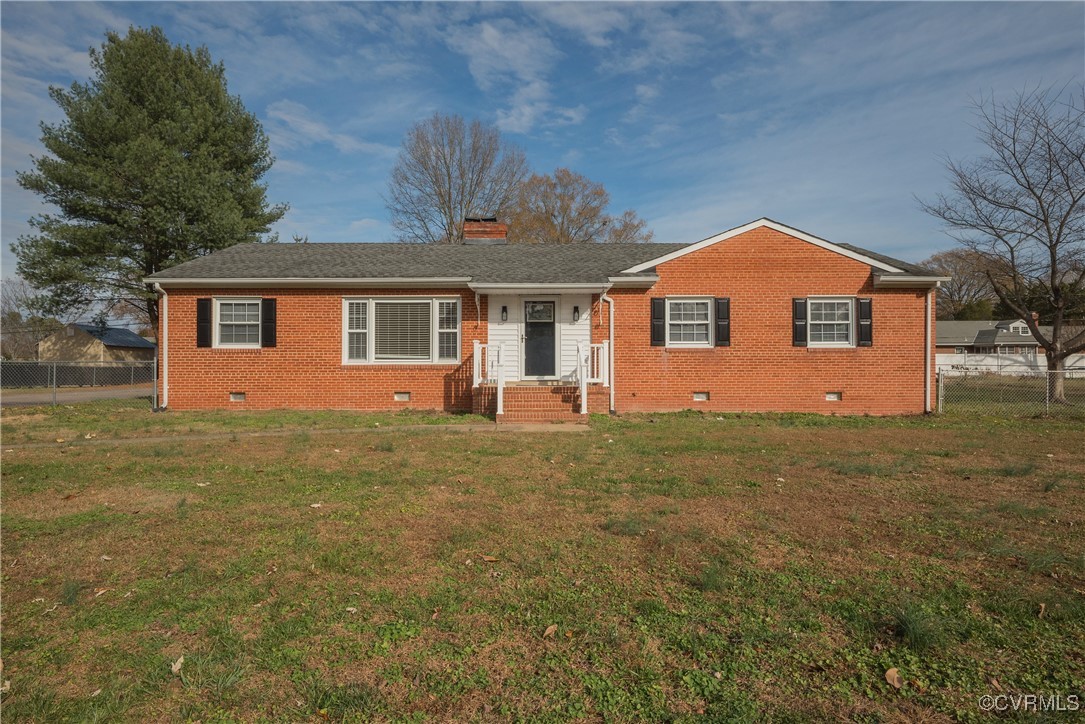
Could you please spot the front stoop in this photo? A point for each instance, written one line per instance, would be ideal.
(532, 404)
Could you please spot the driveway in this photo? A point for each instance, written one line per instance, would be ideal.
(65, 395)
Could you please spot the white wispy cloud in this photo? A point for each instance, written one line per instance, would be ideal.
(292, 125)
(506, 57)
(598, 24)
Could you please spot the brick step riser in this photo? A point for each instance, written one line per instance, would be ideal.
(507, 419)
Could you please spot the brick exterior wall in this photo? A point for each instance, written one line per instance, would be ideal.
(305, 370)
(761, 271)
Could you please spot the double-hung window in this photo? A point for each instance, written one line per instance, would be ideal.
(689, 322)
(401, 330)
(832, 322)
(237, 322)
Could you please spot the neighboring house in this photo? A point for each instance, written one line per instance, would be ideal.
(95, 343)
(1006, 346)
(1010, 336)
(762, 317)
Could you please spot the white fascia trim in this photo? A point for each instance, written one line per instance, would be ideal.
(630, 281)
(761, 223)
(902, 281)
(401, 282)
(539, 288)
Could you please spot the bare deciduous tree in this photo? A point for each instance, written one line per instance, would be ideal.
(968, 293)
(448, 170)
(22, 325)
(1022, 207)
(569, 208)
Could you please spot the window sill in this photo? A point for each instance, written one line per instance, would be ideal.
(687, 347)
(404, 363)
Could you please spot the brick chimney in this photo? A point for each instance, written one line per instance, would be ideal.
(484, 230)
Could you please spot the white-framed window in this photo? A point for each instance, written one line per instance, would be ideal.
(831, 322)
(237, 322)
(401, 330)
(959, 350)
(448, 330)
(689, 322)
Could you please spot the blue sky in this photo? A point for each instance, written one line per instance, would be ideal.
(701, 117)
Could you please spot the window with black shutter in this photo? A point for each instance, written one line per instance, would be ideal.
(798, 322)
(866, 323)
(723, 322)
(659, 322)
(267, 322)
(203, 322)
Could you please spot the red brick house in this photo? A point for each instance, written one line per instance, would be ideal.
(763, 317)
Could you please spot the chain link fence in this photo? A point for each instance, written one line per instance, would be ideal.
(53, 383)
(986, 392)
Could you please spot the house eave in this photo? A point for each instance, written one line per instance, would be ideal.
(308, 283)
(907, 281)
(539, 288)
(641, 281)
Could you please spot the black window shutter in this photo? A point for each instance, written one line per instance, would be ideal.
(659, 321)
(267, 322)
(723, 322)
(866, 324)
(798, 322)
(203, 322)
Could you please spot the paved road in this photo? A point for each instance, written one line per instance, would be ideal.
(65, 395)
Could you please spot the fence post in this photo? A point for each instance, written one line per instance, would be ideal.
(941, 388)
(154, 384)
(1048, 381)
(54, 384)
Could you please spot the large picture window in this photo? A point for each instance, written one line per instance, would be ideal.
(831, 322)
(419, 330)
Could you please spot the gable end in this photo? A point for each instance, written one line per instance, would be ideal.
(776, 226)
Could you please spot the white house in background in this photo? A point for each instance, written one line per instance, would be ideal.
(1006, 346)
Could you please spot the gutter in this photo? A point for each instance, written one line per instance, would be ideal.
(906, 281)
(341, 282)
(927, 351)
(610, 357)
(164, 318)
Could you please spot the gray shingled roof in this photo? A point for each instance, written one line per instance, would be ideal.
(115, 336)
(509, 264)
(983, 333)
(905, 266)
(485, 264)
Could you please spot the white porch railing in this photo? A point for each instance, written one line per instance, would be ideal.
(583, 371)
(591, 368)
(598, 366)
(488, 362)
(490, 370)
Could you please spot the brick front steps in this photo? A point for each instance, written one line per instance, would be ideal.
(537, 403)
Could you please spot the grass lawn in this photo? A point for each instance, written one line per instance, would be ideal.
(667, 567)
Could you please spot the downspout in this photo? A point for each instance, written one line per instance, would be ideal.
(927, 352)
(164, 318)
(610, 357)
